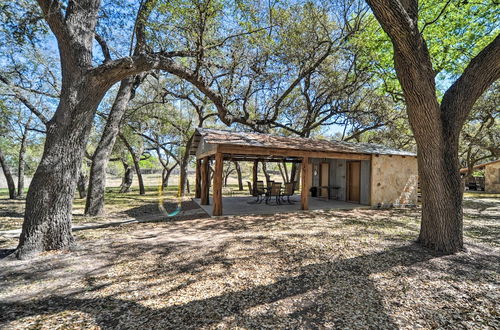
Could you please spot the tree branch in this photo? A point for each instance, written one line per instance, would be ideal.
(24, 100)
(114, 71)
(482, 71)
(104, 47)
(52, 12)
(398, 18)
(426, 24)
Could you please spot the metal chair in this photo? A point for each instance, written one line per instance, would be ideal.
(274, 192)
(253, 192)
(288, 191)
(260, 190)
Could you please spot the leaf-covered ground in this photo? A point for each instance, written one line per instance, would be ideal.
(322, 269)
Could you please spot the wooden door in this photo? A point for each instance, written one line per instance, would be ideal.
(324, 178)
(353, 181)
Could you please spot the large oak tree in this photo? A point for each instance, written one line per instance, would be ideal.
(47, 221)
(436, 125)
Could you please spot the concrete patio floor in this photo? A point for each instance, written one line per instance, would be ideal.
(240, 205)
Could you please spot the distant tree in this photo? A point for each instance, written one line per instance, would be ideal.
(94, 205)
(8, 176)
(480, 138)
(5, 114)
(137, 154)
(237, 167)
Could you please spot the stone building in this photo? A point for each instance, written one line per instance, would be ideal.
(491, 175)
(357, 173)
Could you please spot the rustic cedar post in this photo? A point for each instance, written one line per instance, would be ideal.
(197, 193)
(205, 177)
(217, 187)
(304, 195)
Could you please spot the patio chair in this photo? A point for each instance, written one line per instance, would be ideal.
(288, 191)
(259, 185)
(260, 189)
(274, 192)
(253, 192)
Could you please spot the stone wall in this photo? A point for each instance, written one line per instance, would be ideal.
(394, 180)
(492, 178)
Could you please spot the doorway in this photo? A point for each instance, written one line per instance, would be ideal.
(353, 181)
(324, 179)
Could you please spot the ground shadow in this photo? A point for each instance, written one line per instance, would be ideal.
(6, 252)
(329, 304)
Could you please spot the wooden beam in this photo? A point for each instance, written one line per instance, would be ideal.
(251, 158)
(206, 154)
(304, 194)
(205, 149)
(217, 187)
(205, 181)
(197, 193)
(261, 151)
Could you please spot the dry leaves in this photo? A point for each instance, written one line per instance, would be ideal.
(324, 269)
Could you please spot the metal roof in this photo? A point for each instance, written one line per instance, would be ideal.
(479, 166)
(223, 137)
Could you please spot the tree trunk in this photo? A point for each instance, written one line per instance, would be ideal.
(136, 158)
(82, 185)
(183, 167)
(165, 175)
(264, 169)
(297, 176)
(442, 194)
(8, 176)
(294, 174)
(49, 202)
(94, 205)
(240, 178)
(226, 177)
(128, 177)
(283, 177)
(436, 127)
(285, 169)
(137, 166)
(255, 170)
(22, 163)
(187, 186)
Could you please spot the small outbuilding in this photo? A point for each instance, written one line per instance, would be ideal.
(491, 175)
(358, 173)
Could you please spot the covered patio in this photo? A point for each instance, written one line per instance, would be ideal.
(345, 175)
(241, 205)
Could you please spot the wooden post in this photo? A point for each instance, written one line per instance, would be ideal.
(304, 195)
(217, 187)
(197, 193)
(205, 178)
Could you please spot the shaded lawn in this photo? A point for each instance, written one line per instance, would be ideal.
(325, 269)
(117, 206)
